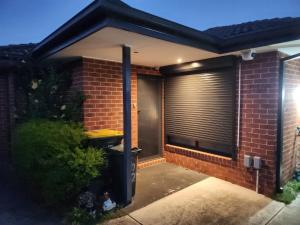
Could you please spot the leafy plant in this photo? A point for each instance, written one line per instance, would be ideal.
(50, 157)
(80, 216)
(43, 91)
(290, 192)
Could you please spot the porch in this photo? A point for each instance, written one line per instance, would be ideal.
(168, 194)
(222, 109)
(160, 180)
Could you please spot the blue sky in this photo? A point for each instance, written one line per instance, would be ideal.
(25, 21)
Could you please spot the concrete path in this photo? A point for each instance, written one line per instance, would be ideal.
(156, 182)
(289, 215)
(211, 202)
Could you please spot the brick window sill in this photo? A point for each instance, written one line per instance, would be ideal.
(195, 153)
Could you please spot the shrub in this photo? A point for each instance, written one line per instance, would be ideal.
(44, 91)
(80, 216)
(290, 192)
(50, 157)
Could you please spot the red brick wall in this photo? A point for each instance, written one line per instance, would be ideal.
(259, 96)
(291, 119)
(101, 83)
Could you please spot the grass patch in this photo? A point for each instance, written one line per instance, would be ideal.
(290, 191)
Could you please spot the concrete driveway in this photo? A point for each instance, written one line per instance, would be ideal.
(211, 202)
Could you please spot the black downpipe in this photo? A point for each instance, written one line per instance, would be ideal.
(280, 119)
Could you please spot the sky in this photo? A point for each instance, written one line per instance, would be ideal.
(30, 21)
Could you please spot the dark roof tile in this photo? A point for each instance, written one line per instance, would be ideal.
(16, 52)
(237, 30)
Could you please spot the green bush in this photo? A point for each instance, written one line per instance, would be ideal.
(80, 216)
(50, 157)
(44, 91)
(290, 192)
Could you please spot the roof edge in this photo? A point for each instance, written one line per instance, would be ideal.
(113, 10)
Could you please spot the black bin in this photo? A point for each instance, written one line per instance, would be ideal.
(105, 142)
(116, 167)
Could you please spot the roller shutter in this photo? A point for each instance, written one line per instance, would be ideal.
(200, 111)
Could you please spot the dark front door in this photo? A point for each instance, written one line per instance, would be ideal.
(149, 115)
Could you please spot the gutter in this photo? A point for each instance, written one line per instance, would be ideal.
(280, 119)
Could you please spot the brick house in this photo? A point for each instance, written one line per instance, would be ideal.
(199, 99)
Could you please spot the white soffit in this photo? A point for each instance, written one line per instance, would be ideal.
(106, 44)
(289, 48)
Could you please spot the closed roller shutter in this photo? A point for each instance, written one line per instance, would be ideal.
(200, 111)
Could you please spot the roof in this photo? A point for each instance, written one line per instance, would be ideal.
(114, 13)
(243, 29)
(16, 52)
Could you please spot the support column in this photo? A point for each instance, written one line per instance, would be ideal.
(126, 71)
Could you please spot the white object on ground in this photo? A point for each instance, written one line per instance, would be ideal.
(108, 205)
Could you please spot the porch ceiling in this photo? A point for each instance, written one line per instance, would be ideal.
(148, 51)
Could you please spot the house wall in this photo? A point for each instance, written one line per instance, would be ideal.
(291, 119)
(101, 83)
(6, 116)
(259, 102)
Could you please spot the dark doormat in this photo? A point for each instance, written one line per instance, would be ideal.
(156, 182)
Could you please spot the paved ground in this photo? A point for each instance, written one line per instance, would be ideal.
(16, 208)
(207, 200)
(211, 202)
(161, 180)
(289, 215)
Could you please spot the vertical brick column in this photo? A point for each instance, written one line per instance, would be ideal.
(4, 120)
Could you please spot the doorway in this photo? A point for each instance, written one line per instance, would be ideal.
(149, 115)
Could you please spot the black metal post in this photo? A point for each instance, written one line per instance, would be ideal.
(126, 70)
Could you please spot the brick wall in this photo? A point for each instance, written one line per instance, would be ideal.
(6, 116)
(259, 96)
(101, 82)
(291, 119)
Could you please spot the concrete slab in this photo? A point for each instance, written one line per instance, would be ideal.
(156, 182)
(211, 201)
(264, 216)
(126, 220)
(289, 215)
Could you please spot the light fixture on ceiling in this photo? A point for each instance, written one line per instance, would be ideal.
(195, 64)
(179, 60)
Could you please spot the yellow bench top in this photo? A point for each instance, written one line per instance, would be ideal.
(103, 133)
